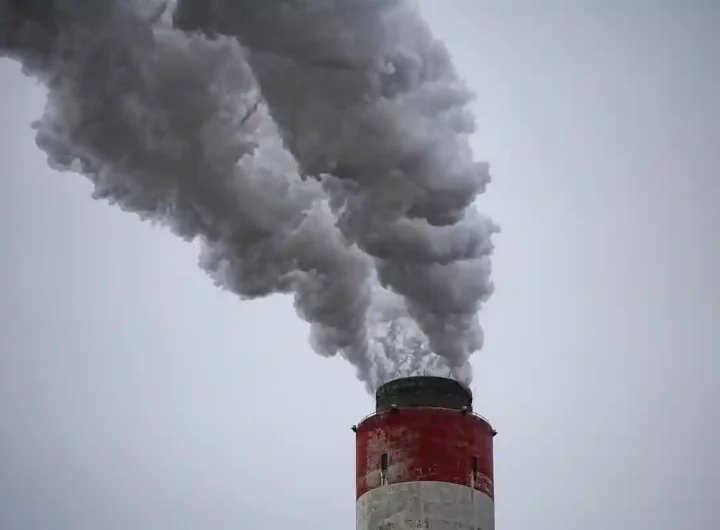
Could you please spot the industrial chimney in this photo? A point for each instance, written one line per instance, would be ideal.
(424, 459)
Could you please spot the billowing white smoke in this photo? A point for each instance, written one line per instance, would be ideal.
(175, 127)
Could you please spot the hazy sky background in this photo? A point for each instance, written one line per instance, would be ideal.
(134, 395)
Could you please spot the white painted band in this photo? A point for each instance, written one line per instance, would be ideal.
(428, 505)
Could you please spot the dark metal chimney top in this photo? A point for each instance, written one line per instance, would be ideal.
(423, 391)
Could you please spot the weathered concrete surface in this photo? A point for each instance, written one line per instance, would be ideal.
(428, 505)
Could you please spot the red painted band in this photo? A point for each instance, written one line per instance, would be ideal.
(424, 444)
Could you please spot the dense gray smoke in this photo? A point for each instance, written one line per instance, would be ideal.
(214, 137)
(365, 96)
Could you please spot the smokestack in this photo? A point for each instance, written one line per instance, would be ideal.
(424, 459)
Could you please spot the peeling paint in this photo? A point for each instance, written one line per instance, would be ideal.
(425, 444)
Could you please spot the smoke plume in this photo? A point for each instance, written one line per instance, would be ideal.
(209, 117)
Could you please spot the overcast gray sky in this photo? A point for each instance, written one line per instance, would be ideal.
(135, 395)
